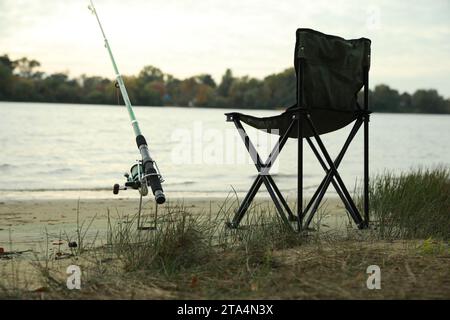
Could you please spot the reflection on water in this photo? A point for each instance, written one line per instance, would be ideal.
(56, 150)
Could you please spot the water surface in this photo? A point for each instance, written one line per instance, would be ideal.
(71, 151)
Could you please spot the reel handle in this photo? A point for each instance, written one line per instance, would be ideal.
(117, 187)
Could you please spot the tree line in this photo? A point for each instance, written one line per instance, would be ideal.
(21, 80)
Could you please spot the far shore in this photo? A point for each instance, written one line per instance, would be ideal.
(275, 108)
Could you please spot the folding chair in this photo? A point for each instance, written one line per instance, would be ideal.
(330, 73)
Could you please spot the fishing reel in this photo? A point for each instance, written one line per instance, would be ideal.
(137, 179)
(143, 174)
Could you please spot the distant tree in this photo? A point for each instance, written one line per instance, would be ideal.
(204, 95)
(151, 73)
(206, 79)
(429, 101)
(7, 63)
(24, 90)
(280, 89)
(244, 92)
(133, 89)
(405, 102)
(97, 90)
(25, 67)
(187, 92)
(227, 80)
(384, 99)
(6, 75)
(172, 90)
(20, 80)
(152, 94)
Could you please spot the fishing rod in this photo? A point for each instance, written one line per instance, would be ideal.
(145, 172)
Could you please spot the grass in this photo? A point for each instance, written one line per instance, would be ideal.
(180, 241)
(413, 205)
(195, 257)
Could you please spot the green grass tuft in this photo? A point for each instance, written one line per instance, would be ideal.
(412, 205)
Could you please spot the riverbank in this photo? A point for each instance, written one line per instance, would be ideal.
(192, 255)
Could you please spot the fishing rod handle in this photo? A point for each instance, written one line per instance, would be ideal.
(153, 179)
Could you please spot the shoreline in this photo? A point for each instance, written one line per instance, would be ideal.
(246, 108)
(106, 194)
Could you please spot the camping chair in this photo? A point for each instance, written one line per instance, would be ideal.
(330, 72)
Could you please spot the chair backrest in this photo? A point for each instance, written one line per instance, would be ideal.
(332, 70)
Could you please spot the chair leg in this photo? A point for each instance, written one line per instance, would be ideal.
(274, 192)
(341, 194)
(263, 177)
(246, 203)
(366, 170)
(292, 217)
(366, 146)
(275, 201)
(325, 180)
(323, 188)
(300, 174)
(335, 173)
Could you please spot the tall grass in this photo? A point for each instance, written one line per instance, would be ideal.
(179, 241)
(188, 241)
(412, 205)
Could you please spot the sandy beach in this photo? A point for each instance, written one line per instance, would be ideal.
(28, 224)
(302, 270)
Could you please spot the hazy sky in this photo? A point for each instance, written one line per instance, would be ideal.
(410, 39)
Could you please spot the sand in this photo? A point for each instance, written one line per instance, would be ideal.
(30, 224)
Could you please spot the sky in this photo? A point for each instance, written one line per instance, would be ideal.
(410, 38)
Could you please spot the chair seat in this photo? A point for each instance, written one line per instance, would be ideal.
(325, 121)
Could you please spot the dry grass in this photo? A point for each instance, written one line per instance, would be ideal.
(312, 271)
